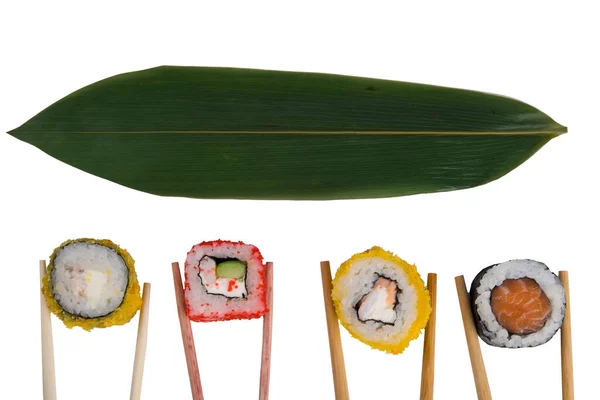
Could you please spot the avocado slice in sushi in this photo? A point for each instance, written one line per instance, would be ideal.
(232, 269)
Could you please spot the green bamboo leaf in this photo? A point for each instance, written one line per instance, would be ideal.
(256, 134)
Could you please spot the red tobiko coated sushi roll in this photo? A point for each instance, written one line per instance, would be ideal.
(224, 280)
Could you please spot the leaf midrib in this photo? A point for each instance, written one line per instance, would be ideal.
(554, 133)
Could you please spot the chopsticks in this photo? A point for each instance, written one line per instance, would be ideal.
(265, 362)
(48, 371)
(338, 367)
(48, 368)
(428, 365)
(340, 383)
(479, 374)
(140, 346)
(188, 336)
(566, 344)
(481, 381)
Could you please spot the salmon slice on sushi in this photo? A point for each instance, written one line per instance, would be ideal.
(518, 303)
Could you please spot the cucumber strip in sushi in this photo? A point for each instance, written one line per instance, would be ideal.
(91, 284)
(224, 280)
(381, 300)
(518, 303)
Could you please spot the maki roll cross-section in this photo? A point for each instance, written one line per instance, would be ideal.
(518, 303)
(92, 284)
(382, 301)
(224, 280)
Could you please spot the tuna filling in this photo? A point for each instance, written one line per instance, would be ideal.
(223, 276)
(520, 306)
(380, 303)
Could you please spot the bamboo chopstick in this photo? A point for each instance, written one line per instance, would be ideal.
(48, 371)
(566, 344)
(140, 346)
(335, 342)
(187, 336)
(479, 374)
(428, 367)
(265, 364)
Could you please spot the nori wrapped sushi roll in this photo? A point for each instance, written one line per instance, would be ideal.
(381, 300)
(518, 303)
(91, 284)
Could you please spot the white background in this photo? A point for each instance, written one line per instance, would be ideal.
(538, 52)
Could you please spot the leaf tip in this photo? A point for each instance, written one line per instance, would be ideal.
(17, 133)
(13, 132)
(561, 130)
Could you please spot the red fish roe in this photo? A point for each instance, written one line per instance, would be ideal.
(231, 285)
(520, 306)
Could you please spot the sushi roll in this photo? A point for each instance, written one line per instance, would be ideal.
(381, 300)
(91, 284)
(518, 303)
(224, 280)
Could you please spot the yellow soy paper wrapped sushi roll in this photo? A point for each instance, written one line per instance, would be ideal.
(381, 300)
(91, 284)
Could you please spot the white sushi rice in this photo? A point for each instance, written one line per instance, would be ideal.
(359, 280)
(200, 302)
(549, 283)
(89, 280)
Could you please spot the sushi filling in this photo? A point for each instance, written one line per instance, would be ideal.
(518, 303)
(89, 280)
(379, 304)
(223, 276)
(520, 306)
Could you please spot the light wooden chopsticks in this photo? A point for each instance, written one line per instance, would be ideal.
(265, 363)
(340, 383)
(338, 367)
(481, 382)
(566, 344)
(48, 372)
(188, 336)
(48, 368)
(428, 366)
(140, 347)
